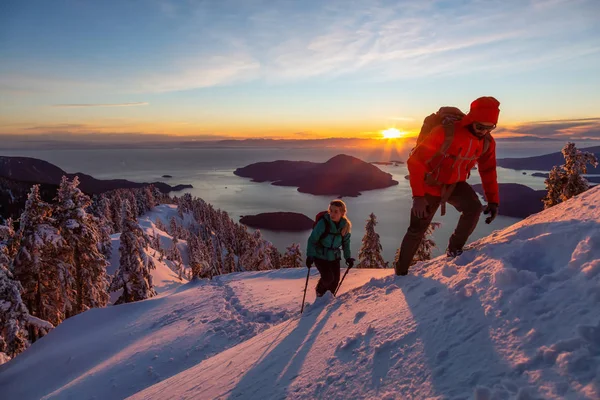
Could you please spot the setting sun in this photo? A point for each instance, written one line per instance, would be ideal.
(392, 133)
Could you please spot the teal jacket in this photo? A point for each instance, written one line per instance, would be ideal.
(328, 248)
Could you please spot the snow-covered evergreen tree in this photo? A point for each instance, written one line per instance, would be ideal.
(174, 229)
(81, 233)
(40, 264)
(155, 242)
(13, 313)
(101, 210)
(427, 244)
(261, 256)
(149, 195)
(161, 225)
(292, 257)
(369, 255)
(116, 212)
(229, 261)
(133, 274)
(174, 254)
(13, 316)
(566, 181)
(195, 256)
(275, 257)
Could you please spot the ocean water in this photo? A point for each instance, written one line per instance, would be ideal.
(210, 171)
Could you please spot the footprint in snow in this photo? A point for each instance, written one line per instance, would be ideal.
(359, 316)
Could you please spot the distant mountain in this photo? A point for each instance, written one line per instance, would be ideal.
(517, 200)
(19, 174)
(32, 170)
(529, 139)
(342, 175)
(544, 162)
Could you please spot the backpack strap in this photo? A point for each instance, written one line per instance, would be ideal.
(448, 138)
(325, 233)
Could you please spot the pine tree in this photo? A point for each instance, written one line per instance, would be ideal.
(150, 198)
(229, 261)
(155, 242)
(566, 181)
(427, 244)
(13, 313)
(292, 257)
(275, 257)
(101, 211)
(174, 255)
(260, 258)
(40, 264)
(133, 274)
(160, 225)
(369, 255)
(195, 256)
(174, 230)
(81, 233)
(116, 212)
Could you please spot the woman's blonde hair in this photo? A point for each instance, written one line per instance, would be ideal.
(340, 204)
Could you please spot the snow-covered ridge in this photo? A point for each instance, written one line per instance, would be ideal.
(516, 316)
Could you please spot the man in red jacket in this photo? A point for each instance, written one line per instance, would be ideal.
(439, 167)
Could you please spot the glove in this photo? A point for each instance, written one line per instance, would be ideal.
(419, 207)
(350, 262)
(492, 209)
(309, 262)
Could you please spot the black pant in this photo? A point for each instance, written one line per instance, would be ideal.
(330, 276)
(465, 200)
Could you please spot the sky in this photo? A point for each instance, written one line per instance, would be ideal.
(295, 69)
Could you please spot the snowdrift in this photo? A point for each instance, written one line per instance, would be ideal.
(517, 316)
(163, 276)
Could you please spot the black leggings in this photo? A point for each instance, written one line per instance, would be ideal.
(330, 276)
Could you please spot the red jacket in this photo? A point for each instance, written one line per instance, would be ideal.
(462, 155)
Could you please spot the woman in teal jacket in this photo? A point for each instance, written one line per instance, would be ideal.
(331, 233)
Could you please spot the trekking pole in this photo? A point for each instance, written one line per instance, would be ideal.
(305, 286)
(340, 285)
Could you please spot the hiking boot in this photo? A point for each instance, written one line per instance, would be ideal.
(400, 272)
(453, 253)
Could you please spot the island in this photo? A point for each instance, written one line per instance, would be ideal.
(545, 162)
(590, 179)
(278, 221)
(517, 200)
(342, 175)
(394, 163)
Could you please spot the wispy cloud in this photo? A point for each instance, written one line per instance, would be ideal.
(232, 41)
(58, 127)
(199, 72)
(100, 105)
(581, 129)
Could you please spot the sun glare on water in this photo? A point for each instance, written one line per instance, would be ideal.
(392, 133)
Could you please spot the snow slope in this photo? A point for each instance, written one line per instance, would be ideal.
(515, 317)
(163, 276)
(117, 351)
